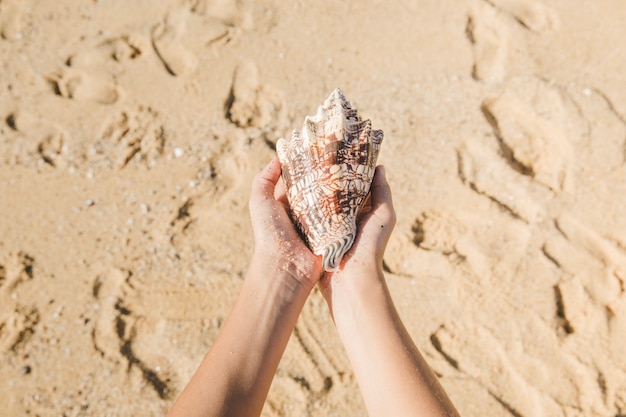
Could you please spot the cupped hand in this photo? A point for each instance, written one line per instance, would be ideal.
(276, 241)
(374, 226)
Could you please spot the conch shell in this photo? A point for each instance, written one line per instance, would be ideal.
(328, 169)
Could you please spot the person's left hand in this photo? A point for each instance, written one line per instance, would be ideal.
(276, 241)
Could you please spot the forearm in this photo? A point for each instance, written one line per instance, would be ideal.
(236, 374)
(393, 375)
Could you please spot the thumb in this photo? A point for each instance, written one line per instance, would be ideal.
(382, 203)
(264, 182)
(381, 219)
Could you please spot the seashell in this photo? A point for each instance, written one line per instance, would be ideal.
(328, 169)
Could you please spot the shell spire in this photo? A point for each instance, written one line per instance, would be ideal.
(328, 169)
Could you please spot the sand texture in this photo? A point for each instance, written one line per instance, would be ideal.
(130, 132)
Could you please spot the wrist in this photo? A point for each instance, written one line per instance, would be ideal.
(353, 293)
(292, 273)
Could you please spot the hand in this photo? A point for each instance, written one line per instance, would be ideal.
(374, 226)
(275, 237)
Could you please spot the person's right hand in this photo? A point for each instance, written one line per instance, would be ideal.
(364, 260)
(371, 330)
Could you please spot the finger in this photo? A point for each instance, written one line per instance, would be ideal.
(265, 181)
(382, 217)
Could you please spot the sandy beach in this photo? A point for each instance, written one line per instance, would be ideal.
(130, 133)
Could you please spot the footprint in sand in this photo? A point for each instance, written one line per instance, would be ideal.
(438, 230)
(609, 254)
(215, 22)
(10, 18)
(78, 84)
(540, 148)
(115, 332)
(595, 262)
(604, 147)
(131, 135)
(474, 351)
(405, 259)
(490, 175)
(109, 328)
(168, 42)
(520, 367)
(236, 13)
(482, 253)
(147, 326)
(251, 102)
(574, 308)
(39, 143)
(533, 14)
(227, 166)
(51, 148)
(116, 49)
(89, 74)
(17, 321)
(427, 250)
(591, 309)
(489, 34)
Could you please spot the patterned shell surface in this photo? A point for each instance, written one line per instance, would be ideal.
(328, 169)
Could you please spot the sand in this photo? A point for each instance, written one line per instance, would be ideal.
(130, 132)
